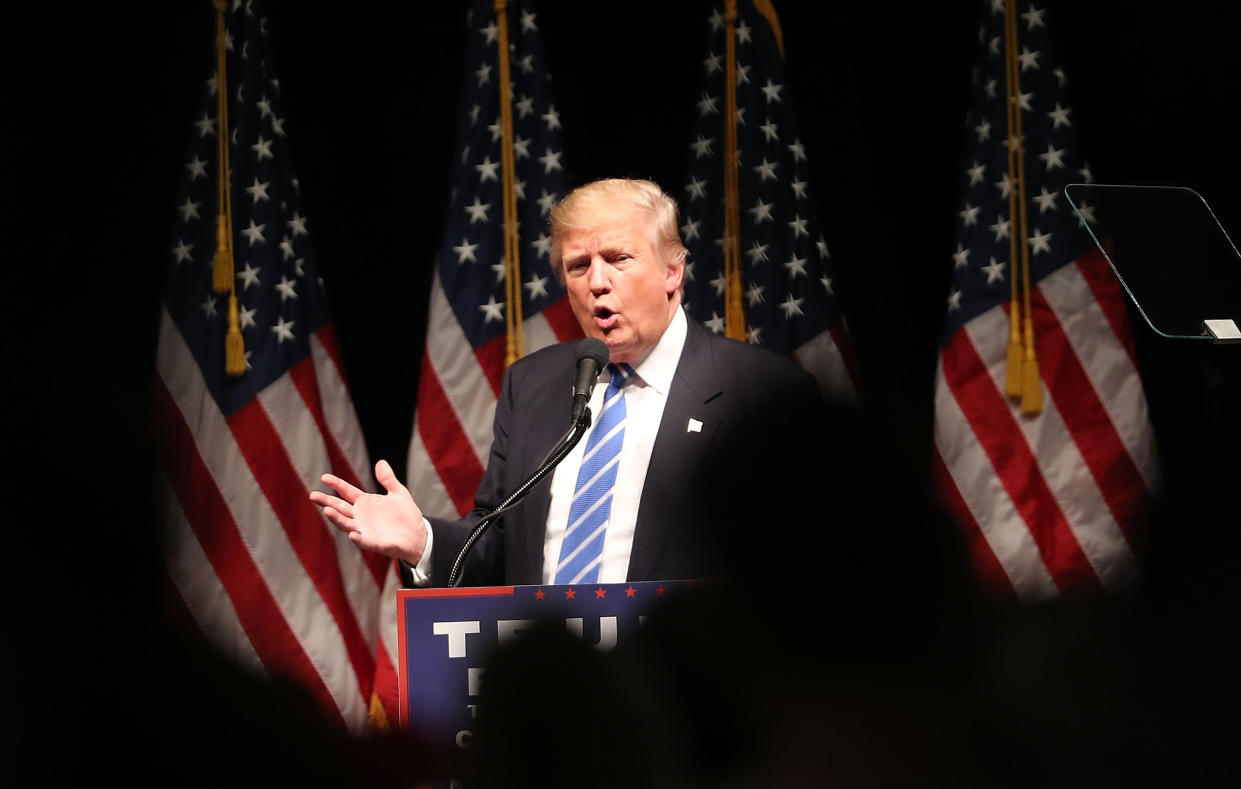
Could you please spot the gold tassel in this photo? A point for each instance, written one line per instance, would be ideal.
(234, 346)
(1016, 353)
(1031, 386)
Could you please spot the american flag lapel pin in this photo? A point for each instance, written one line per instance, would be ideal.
(694, 426)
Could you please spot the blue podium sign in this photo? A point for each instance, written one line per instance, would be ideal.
(445, 635)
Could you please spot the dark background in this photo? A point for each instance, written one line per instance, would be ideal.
(99, 101)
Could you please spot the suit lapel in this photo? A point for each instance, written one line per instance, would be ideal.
(680, 447)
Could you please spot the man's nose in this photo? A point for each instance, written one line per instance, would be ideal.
(599, 281)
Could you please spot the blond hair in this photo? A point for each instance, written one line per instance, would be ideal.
(641, 194)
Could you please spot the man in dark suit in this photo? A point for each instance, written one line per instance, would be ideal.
(680, 390)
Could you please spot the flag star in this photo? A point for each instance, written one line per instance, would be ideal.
(961, 257)
(262, 148)
(551, 118)
(526, 63)
(1053, 158)
(206, 125)
(690, 229)
(799, 151)
(741, 116)
(465, 251)
(707, 105)
(182, 251)
(715, 324)
(696, 188)
(995, 271)
(689, 269)
(188, 210)
(1000, 228)
(542, 245)
(283, 329)
(821, 246)
(997, 6)
(1046, 200)
(766, 170)
(1028, 59)
(497, 130)
(769, 131)
(719, 284)
(254, 233)
(757, 253)
(743, 32)
(1086, 210)
(489, 32)
(1059, 116)
(970, 215)
(1034, 17)
(983, 130)
(297, 224)
(799, 227)
(465, 154)
(525, 106)
(537, 286)
(702, 146)
(208, 306)
(286, 246)
(478, 211)
(976, 173)
(743, 74)
(1024, 100)
(754, 334)
(277, 126)
(486, 170)
(484, 74)
(754, 294)
(761, 211)
(299, 269)
(712, 63)
(716, 21)
(1039, 242)
(796, 267)
(1087, 176)
(954, 301)
(492, 310)
(501, 270)
(474, 111)
(258, 191)
(799, 189)
(264, 107)
(520, 188)
(1059, 76)
(287, 288)
(989, 88)
(772, 91)
(791, 306)
(248, 276)
(1004, 185)
(246, 317)
(546, 201)
(826, 282)
(197, 168)
(994, 45)
(551, 160)
(211, 84)
(527, 22)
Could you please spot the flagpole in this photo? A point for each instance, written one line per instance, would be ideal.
(1012, 378)
(514, 344)
(734, 316)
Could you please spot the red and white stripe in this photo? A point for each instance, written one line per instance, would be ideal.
(457, 391)
(265, 576)
(828, 356)
(1050, 502)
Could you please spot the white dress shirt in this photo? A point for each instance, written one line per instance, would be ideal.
(646, 393)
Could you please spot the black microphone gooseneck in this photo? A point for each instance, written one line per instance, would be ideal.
(592, 356)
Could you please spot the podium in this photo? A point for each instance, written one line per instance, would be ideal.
(445, 637)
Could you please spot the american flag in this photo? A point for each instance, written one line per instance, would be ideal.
(268, 580)
(464, 358)
(1050, 503)
(789, 296)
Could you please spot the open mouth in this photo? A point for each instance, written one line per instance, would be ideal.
(604, 318)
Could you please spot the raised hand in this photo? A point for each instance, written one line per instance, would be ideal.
(388, 523)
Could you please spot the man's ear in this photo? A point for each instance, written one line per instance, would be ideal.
(673, 275)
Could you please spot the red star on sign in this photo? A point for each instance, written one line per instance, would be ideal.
(630, 592)
(659, 590)
(570, 594)
(539, 594)
(601, 593)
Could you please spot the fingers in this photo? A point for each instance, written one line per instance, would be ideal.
(324, 500)
(340, 521)
(386, 477)
(343, 489)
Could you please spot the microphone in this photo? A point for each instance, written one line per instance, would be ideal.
(592, 357)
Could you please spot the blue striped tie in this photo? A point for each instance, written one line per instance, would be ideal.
(582, 549)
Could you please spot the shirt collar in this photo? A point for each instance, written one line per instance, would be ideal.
(658, 367)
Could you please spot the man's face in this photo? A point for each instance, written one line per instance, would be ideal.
(619, 288)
